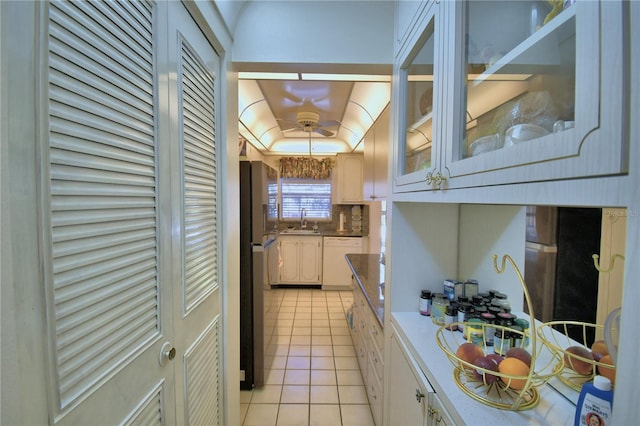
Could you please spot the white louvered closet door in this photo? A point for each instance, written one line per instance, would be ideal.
(130, 215)
(194, 100)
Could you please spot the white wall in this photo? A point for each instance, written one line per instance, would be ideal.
(315, 32)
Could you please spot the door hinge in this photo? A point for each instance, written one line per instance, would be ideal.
(242, 378)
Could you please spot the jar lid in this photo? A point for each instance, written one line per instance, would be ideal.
(426, 293)
(465, 307)
(501, 295)
(487, 316)
(507, 316)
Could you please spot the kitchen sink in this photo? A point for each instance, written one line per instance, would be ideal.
(299, 231)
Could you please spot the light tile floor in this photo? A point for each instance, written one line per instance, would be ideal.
(312, 378)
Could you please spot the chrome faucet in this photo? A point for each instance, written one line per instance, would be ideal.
(303, 218)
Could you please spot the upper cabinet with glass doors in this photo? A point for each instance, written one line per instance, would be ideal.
(531, 91)
(537, 85)
(417, 87)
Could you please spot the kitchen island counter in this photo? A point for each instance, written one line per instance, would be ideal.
(369, 274)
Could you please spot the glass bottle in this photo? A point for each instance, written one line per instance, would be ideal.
(425, 303)
(438, 306)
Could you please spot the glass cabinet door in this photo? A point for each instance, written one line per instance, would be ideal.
(417, 105)
(532, 83)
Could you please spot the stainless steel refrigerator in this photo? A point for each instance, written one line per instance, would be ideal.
(258, 235)
(559, 271)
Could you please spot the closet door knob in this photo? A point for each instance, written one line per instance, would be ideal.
(167, 353)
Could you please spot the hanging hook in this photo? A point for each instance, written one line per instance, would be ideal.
(612, 261)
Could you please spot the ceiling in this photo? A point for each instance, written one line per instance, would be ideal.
(302, 114)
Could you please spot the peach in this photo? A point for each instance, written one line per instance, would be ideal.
(469, 352)
(608, 372)
(578, 359)
(600, 347)
(521, 354)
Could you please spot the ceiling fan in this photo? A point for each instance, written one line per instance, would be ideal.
(308, 121)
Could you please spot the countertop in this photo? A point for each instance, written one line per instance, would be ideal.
(420, 334)
(323, 233)
(369, 273)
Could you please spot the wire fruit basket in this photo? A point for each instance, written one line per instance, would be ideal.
(515, 390)
(576, 368)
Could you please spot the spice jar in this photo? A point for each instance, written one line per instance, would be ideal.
(474, 331)
(516, 336)
(501, 301)
(508, 318)
(439, 304)
(521, 322)
(470, 288)
(494, 310)
(501, 340)
(489, 329)
(464, 309)
(425, 303)
(477, 300)
(450, 317)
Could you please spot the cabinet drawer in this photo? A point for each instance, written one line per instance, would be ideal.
(375, 331)
(375, 361)
(374, 394)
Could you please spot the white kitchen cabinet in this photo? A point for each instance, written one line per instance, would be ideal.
(376, 157)
(301, 260)
(368, 341)
(359, 332)
(412, 400)
(348, 179)
(565, 77)
(408, 401)
(407, 12)
(416, 91)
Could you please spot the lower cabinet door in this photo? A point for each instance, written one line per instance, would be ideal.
(409, 393)
(437, 413)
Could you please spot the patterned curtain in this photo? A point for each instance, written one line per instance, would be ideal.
(306, 168)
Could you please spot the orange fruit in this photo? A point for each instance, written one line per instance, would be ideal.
(600, 347)
(608, 372)
(513, 367)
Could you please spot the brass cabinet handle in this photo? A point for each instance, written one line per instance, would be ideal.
(437, 179)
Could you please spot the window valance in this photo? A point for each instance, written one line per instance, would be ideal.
(306, 168)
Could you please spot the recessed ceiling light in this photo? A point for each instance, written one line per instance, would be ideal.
(344, 77)
(268, 76)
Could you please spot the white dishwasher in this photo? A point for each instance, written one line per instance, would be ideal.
(336, 273)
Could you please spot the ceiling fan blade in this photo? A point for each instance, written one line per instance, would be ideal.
(285, 120)
(329, 123)
(292, 129)
(323, 132)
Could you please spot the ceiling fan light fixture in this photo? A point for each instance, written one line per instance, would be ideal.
(307, 119)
